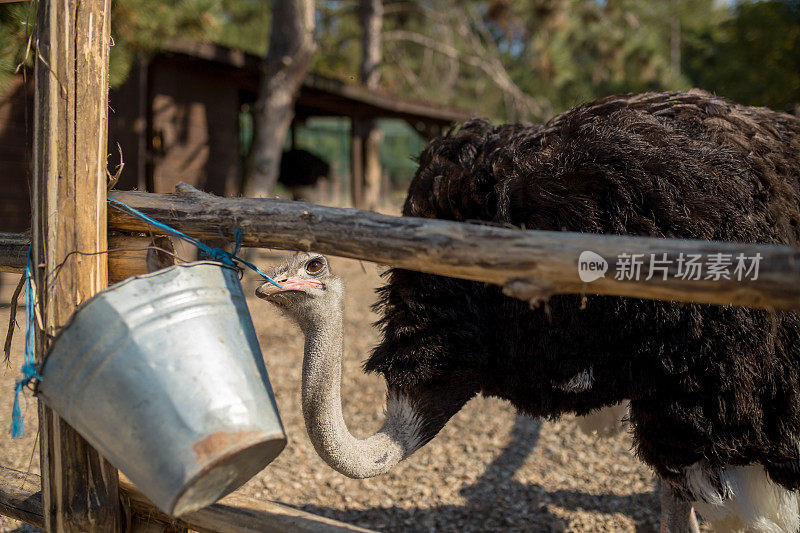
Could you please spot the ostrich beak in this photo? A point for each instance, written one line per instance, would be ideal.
(267, 290)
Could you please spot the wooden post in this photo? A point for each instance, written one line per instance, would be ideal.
(141, 126)
(372, 165)
(79, 488)
(365, 174)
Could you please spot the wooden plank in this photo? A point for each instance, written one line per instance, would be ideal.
(391, 105)
(240, 514)
(531, 265)
(130, 255)
(79, 487)
(371, 102)
(20, 496)
(13, 252)
(20, 499)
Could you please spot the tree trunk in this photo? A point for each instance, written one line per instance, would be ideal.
(291, 47)
(372, 22)
(372, 165)
(675, 41)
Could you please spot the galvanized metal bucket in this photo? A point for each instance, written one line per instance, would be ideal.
(162, 373)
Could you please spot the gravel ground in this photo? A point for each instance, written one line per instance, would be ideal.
(488, 470)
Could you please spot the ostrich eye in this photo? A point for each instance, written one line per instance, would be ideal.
(315, 266)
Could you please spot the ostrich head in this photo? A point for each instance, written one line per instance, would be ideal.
(312, 297)
(309, 292)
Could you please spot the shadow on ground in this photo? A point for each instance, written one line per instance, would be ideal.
(496, 484)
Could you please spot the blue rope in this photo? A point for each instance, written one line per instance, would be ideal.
(217, 254)
(29, 366)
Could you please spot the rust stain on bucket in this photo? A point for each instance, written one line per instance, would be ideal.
(216, 444)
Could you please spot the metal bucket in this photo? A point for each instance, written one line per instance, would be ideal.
(163, 375)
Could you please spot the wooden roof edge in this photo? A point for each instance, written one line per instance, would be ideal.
(383, 100)
(352, 91)
(212, 52)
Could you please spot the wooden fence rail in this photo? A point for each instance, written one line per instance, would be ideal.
(531, 265)
(13, 252)
(129, 255)
(21, 499)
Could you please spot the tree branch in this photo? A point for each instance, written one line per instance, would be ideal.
(519, 104)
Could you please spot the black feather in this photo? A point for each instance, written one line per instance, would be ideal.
(710, 383)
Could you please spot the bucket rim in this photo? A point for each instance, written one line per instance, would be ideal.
(187, 264)
(276, 439)
(111, 288)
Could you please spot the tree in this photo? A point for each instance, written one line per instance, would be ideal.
(752, 57)
(15, 39)
(141, 27)
(244, 25)
(291, 49)
(368, 131)
(578, 50)
(440, 51)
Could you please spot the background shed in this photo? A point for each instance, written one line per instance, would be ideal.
(178, 116)
(181, 116)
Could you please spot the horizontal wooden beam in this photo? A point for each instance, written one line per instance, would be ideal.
(532, 265)
(328, 94)
(240, 514)
(21, 499)
(130, 255)
(13, 251)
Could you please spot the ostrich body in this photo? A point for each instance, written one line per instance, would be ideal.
(714, 391)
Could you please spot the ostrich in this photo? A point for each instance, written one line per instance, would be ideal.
(714, 390)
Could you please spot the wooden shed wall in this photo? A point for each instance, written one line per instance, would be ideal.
(193, 135)
(195, 126)
(15, 163)
(16, 144)
(125, 125)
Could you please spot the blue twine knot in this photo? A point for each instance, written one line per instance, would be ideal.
(29, 371)
(224, 257)
(217, 254)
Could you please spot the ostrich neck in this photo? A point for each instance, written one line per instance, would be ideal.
(322, 408)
